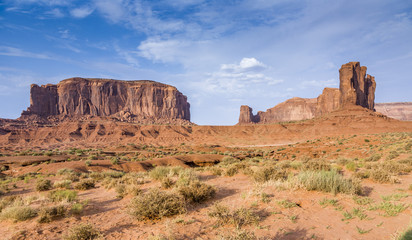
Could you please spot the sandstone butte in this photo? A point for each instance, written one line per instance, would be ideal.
(355, 88)
(134, 101)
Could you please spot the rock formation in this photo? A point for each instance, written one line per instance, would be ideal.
(399, 110)
(356, 88)
(77, 97)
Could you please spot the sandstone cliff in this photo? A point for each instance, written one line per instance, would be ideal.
(356, 88)
(125, 100)
(399, 110)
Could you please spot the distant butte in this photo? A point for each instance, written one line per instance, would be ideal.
(356, 88)
(134, 101)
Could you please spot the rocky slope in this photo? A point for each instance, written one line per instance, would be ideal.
(356, 88)
(398, 110)
(76, 98)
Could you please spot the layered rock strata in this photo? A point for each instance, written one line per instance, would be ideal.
(399, 110)
(77, 97)
(355, 88)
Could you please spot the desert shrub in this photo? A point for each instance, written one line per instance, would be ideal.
(269, 173)
(97, 176)
(113, 174)
(156, 204)
(120, 190)
(226, 161)
(62, 195)
(392, 155)
(43, 185)
(373, 158)
(85, 184)
(159, 172)
(48, 214)
(406, 235)
(115, 161)
(315, 165)
(63, 184)
(197, 192)
(18, 213)
(83, 232)
(351, 166)
(186, 177)
(7, 201)
(231, 171)
(327, 181)
(216, 171)
(77, 208)
(287, 204)
(382, 176)
(239, 235)
(88, 163)
(167, 182)
(362, 174)
(238, 217)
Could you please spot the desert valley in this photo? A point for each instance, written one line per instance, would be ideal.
(111, 159)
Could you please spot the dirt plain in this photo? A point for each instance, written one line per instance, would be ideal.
(359, 145)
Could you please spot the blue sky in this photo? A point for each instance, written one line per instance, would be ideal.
(221, 54)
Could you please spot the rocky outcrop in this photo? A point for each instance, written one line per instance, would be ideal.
(398, 110)
(356, 88)
(126, 100)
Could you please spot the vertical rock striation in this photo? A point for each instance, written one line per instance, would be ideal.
(76, 97)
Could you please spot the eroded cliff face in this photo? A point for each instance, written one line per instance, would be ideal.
(399, 110)
(76, 97)
(355, 88)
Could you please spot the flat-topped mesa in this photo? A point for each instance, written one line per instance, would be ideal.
(355, 88)
(76, 97)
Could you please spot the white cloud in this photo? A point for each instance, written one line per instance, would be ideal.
(245, 65)
(162, 50)
(55, 12)
(238, 78)
(81, 12)
(16, 52)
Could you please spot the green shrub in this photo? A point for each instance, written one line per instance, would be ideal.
(63, 184)
(351, 166)
(63, 195)
(327, 181)
(238, 217)
(120, 190)
(83, 232)
(265, 174)
(48, 214)
(186, 177)
(231, 171)
(18, 213)
(390, 209)
(88, 163)
(77, 208)
(156, 204)
(160, 172)
(43, 185)
(287, 204)
(197, 192)
(115, 161)
(85, 184)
